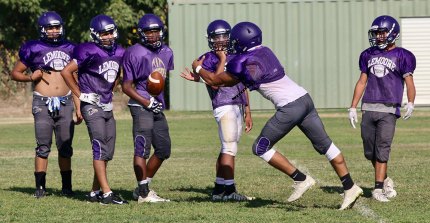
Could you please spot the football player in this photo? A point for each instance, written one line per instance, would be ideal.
(230, 105)
(385, 69)
(149, 122)
(52, 100)
(259, 69)
(98, 65)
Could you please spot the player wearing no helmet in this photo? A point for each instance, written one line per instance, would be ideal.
(385, 69)
(98, 65)
(149, 122)
(259, 69)
(230, 105)
(52, 100)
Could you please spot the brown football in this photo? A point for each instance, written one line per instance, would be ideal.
(155, 83)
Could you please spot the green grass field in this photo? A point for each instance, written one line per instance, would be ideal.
(187, 177)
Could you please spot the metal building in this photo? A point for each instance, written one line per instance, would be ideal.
(317, 41)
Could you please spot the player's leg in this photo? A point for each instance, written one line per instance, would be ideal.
(384, 138)
(64, 130)
(313, 128)
(280, 124)
(43, 126)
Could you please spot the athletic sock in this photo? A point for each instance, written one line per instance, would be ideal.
(298, 176)
(229, 189)
(40, 178)
(220, 180)
(142, 182)
(347, 182)
(379, 185)
(66, 179)
(149, 179)
(105, 195)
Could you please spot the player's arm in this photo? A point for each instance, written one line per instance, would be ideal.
(18, 73)
(248, 119)
(67, 74)
(359, 90)
(222, 79)
(129, 90)
(77, 103)
(410, 88)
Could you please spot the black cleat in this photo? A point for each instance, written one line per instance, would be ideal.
(96, 198)
(112, 199)
(67, 192)
(39, 193)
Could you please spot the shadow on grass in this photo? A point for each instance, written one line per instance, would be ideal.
(256, 203)
(79, 194)
(338, 190)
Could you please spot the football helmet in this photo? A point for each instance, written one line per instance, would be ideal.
(102, 24)
(218, 34)
(151, 22)
(384, 24)
(50, 19)
(245, 35)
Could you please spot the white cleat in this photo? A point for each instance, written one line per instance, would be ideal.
(217, 197)
(389, 188)
(379, 195)
(237, 197)
(151, 198)
(300, 187)
(350, 197)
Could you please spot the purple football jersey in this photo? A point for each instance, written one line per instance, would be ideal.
(140, 62)
(256, 67)
(223, 95)
(97, 69)
(37, 54)
(385, 72)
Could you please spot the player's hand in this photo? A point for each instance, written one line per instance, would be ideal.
(154, 105)
(79, 117)
(91, 98)
(197, 62)
(36, 76)
(248, 123)
(409, 107)
(222, 55)
(188, 75)
(353, 116)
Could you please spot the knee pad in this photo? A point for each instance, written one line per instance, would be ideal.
(43, 151)
(229, 148)
(97, 149)
(140, 147)
(332, 152)
(263, 149)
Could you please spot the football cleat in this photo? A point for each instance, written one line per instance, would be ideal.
(94, 196)
(379, 195)
(300, 187)
(112, 199)
(350, 197)
(217, 197)
(237, 197)
(151, 198)
(39, 193)
(389, 188)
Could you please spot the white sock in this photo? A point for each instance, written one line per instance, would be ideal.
(142, 182)
(94, 193)
(107, 194)
(149, 179)
(219, 180)
(229, 182)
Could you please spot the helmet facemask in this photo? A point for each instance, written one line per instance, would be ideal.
(105, 38)
(219, 41)
(151, 38)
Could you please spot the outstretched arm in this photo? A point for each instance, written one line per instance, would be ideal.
(222, 79)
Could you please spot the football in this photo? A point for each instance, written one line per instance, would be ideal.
(155, 83)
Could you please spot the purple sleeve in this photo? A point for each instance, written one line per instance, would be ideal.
(171, 64)
(25, 54)
(80, 55)
(408, 64)
(362, 63)
(128, 66)
(211, 62)
(236, 66)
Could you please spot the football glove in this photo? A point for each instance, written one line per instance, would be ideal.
(154, 105)
(91, 98)
(409, 107)
(353, 116)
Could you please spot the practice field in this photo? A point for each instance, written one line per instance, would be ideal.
(187, 177)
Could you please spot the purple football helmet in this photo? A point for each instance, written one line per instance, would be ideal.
(50, 19)
(102, 24)
(245, 35)
(384, 24)
(151, 22)
(218, 34)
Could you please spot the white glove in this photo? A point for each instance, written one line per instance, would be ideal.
(353, 116)
(154, 105)
(409, 107)
(91, 98)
